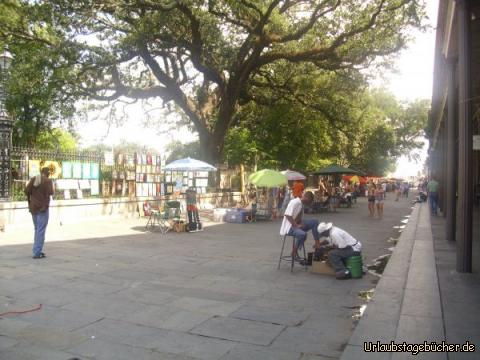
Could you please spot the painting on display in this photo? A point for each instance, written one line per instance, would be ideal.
(67, 170)
(94, 171)
(54, 167)
(77, 170)
(33, 168)
(109, 158)
(94, 187)
(86, 171)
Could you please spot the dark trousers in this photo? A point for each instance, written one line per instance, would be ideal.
(337, 257)
(433, 197)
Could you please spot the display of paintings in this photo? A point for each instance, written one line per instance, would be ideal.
(106, 188)
(201, 182)
(94, 171)
(109, 158)
(130, 175)
(120, 159)
(129, 160)
(201, 174)
(84, 184)
(77, 170)
(94, 187)
(66, 184)
(131, 188)
(67, 170)
(86, 171)
(33, 168)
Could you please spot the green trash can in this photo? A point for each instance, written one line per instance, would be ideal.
(355, 265)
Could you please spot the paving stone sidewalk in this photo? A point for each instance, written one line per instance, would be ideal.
(111, 290)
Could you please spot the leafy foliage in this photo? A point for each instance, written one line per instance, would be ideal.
(56, 139)
(213, 57)
(40, 92)
(375, 130)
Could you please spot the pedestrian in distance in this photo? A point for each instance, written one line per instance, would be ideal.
(432, 193)
(398, 191)
(38, 191)
(379, 197)
(371, 198)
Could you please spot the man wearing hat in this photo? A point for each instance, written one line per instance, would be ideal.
(343, 246)
(294, 224)
(38, 191)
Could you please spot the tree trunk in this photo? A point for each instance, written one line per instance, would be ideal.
(209, 149)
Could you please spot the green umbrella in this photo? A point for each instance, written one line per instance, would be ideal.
(335, 169)
(268, 178)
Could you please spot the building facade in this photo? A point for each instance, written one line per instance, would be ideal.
(454, 126)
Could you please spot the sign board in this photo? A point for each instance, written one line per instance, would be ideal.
(476, 142)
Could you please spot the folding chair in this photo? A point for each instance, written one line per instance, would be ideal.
(169, 216)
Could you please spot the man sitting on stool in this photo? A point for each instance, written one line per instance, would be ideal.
(294, 225)
(343, 244)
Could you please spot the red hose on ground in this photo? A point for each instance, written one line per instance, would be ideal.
(21, 312)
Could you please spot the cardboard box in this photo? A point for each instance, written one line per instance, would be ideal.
(322, 267)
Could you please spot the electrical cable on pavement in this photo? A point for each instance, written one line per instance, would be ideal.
(21, 312)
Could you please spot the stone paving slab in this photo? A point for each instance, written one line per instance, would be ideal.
(143, 294)
(205, 306)
(104, 350)
(24, 351)
(272, 316)
(243, 351)
(167, 317)
(247, 331)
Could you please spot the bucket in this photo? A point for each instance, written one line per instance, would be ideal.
(354, 264)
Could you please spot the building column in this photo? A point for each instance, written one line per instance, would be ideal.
(451, 185)
(465, 138)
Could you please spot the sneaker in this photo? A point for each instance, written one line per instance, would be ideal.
(41, 256)
(343, 275)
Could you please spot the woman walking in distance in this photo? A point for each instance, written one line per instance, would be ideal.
(379, 196)
(371, 198)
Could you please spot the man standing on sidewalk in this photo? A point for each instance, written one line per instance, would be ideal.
(432, 191)
(39, 190)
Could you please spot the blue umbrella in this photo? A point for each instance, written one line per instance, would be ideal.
(189, 164)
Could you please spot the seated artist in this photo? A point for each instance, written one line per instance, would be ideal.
(343, 246)
(294, 224)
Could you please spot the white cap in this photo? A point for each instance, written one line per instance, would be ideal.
(324, 227)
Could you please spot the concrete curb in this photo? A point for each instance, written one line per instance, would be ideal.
(406, 303)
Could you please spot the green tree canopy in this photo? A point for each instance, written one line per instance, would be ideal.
(40, 83)
(212, 57)
(375, 130)
(56, 139)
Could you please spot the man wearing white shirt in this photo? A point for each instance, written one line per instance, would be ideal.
(294, 224)
(344, 245)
